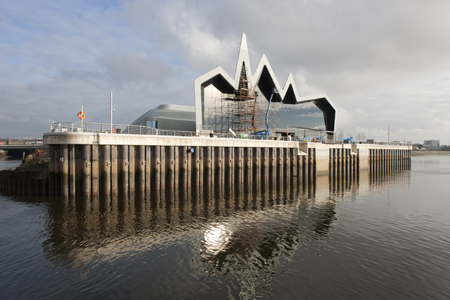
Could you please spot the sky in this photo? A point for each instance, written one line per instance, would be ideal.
(384, 64)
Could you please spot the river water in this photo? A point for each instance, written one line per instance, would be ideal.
(383, 237)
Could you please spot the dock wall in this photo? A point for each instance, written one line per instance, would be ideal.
(112, 165)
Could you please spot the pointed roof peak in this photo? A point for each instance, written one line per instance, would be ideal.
(244, 42)
(243, 58)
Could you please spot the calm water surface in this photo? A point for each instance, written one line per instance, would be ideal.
(383, 237)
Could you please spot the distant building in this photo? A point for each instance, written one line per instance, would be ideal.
(431, 144)
(169, 117)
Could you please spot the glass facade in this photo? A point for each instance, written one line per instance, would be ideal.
(305, 115)
(152, 124)
(305, 120)
(222, 112)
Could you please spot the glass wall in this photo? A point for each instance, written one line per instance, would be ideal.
(305, 120)
(306, 115)
(222, 112)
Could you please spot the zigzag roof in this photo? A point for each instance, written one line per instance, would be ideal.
(264, 77)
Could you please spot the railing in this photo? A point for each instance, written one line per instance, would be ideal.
(144, 130)
(116, 129)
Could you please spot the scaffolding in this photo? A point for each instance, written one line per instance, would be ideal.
(243, 111)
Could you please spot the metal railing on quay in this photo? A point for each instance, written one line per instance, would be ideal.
(144, 130)
(116, 129)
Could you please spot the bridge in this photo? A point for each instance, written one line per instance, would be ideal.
(17, 151)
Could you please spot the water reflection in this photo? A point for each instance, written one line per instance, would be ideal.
(244, 233)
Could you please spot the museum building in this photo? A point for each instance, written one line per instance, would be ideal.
(250, 103)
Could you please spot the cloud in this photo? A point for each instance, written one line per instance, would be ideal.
(131, 67)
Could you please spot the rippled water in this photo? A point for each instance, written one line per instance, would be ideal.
(384, 237)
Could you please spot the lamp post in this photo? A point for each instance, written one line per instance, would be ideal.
(111, 110)
(389, 137)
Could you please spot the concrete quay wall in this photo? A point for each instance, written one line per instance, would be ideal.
(366, 155)
(102, 164)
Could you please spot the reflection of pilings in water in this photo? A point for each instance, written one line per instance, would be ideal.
(250, 244)
(84, 223)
